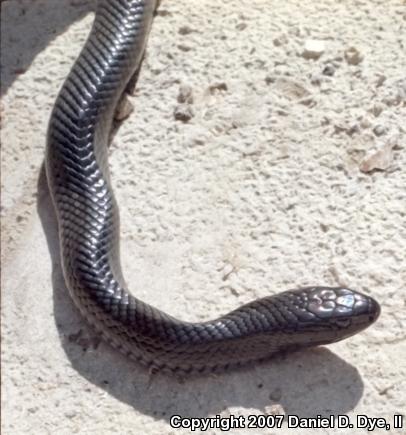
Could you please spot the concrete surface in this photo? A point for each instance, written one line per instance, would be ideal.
(261, 191)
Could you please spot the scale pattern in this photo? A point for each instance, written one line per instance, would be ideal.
(88, 221)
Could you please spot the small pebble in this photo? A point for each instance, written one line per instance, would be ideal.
(379, 130)
(325, 121)
(70, 414)
(380, 81)
(280, 40)
(291, 89)
(185, 30)
(269, 80)
(377, 109)
(183, 112)
(380, 159)
(324, 227)
(353, 56)
(315, 80)
(329, 70)
(353, 129)
(185, 94)
(365, 122)
(339, 128)
(220, 86)
(308, 101)
(184, 47)
(241, 26)
(313, 49)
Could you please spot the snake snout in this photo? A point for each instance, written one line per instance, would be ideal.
(353, 311)
(341, 303)
(366, 310)
(341, 312)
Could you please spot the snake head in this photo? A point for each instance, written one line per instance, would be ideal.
(329, 314)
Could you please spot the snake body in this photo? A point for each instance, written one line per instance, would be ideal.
(88, 223)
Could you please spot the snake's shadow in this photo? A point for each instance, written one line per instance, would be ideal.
(28, 27)
(305, 383)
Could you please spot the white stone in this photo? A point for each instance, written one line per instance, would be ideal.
(313, 49)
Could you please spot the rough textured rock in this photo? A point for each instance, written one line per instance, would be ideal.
(259, 192)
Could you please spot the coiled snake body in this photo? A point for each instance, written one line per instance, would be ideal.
(88, 220)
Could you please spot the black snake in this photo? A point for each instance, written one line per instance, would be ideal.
(88, 221)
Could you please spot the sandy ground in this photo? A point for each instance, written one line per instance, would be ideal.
(265, 188)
